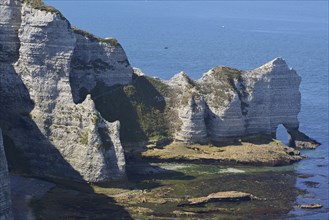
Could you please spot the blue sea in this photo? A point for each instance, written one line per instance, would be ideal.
(165, 37)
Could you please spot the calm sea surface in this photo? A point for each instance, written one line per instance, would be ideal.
(201, 35)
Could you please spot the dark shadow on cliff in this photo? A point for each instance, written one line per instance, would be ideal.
(114, 104)
(140, 107)
(65, 203)
(258, 139)
(36, 155)
(28, 150)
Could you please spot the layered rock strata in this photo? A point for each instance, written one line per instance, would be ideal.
(5, 199)
(45, 66)
(97, 60)
(225, 105)
(192, 112)
(236, 104)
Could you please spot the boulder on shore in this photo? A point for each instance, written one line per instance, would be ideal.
(228, 196)
(310, 206)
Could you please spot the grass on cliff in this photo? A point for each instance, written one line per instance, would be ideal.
(190, 91)
(40, 5)
(92, 37)
(219, 85)
(140, 108)
(228, 77)
(84, 137)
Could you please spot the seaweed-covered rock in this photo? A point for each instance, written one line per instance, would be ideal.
(228, 196)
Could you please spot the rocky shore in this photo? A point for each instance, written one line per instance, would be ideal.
(271, 154)
(164, 193)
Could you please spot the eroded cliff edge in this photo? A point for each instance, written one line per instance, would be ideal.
(226, 105)
(69, 99)
(44, 64)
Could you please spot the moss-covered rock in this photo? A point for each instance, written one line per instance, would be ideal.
(140, 107)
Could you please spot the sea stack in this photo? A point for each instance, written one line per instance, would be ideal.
(228, 104)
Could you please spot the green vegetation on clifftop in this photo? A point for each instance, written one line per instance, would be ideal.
(140, 108)
(230, 81)
(39, 4)
(92, 37)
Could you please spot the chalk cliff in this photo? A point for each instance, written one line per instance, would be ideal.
(234, 104)
(225, 105)
(191, 112)
(5, 200)
(68, 99)
(45, 65)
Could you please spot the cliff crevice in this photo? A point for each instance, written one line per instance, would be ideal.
(56, 131)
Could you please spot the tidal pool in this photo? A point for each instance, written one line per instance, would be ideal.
(158, 190)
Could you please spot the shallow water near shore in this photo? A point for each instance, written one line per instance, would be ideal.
(312, 176)
(199, 36)
(158, 190)
(201, 180)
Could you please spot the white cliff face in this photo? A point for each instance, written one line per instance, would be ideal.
(97, 61)
(262, 99)
(89, 143)
(190, 110)
(9, 22)
(39, 90)
(273, 97)
(5, 198)
(193, 127)
(239, 104)
(224, 115)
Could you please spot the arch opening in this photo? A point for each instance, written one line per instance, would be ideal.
(282, 134)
